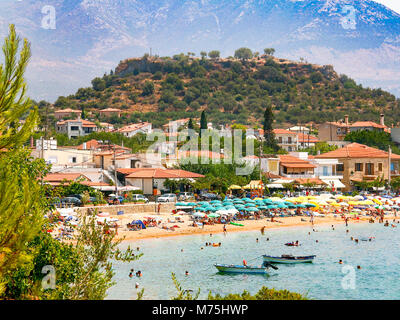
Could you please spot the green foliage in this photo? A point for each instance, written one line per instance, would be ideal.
(269, 51)
(215, 54)
(14, 105)
(98, 84)
(269, 135)
(375, 139)
(263, 294)
(183, 294)
(230, 90)
(243, 54)
(148, 88)
(319, 148)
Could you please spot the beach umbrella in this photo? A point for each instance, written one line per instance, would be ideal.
(343, 204)
(199, 215)
(181, 204)
(232, 211)
(272, 206)
(300, 205)
(395, 207)
(215, 201)
(291, 206)
(250, 204)
(262, 207)
(251, 209)
(310, 205)
(214, 215)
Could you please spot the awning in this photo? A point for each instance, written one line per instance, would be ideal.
(275, 185)
(334, 183)
(112, 188)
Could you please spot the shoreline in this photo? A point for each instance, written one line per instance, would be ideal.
(249, 225)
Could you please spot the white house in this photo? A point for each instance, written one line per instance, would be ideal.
(133, 129)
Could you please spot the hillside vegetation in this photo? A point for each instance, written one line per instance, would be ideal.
(230, 90)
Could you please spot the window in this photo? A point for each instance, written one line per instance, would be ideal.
(289, 139)
(340, 167)
(380, 167)
(75, 128)
(369, 169)
(72, 159)
(359, 167)
(280, 139)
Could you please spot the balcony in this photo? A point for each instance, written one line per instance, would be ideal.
(298, 176)
(395, 173)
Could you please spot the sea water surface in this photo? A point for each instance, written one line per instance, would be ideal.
(378, 277)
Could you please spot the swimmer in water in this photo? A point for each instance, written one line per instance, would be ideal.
(340, 262)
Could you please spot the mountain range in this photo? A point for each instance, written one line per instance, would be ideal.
(360, 38)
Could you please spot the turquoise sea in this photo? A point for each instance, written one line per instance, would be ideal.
(377, 279)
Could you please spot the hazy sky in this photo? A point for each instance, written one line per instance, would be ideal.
(392, 4)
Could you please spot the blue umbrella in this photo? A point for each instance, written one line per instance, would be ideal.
(300, 205)
(251, 209)
(310, 205)
(250, 205)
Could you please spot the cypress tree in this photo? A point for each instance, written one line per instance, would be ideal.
(268, 131)
(203, 122)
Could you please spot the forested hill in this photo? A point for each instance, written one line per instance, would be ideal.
(230, 89)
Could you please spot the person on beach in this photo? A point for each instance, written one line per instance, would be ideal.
(244, 262)
(224, 229)
(262, 230)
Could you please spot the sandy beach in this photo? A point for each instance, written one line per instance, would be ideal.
(185, 227)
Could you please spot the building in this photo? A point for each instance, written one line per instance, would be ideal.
(306, 141)
(56, 179)
(173, 126)
(295, 167)
(75, 128)
(133, 129)
(286, 139)
(63, 157)
(337, 131)
(358, 162)
(333, 131)
(67, 113)
(150, 179)
(109, 112)
(299, 129)
(106, 127)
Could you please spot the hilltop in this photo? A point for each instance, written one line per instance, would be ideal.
(158, 89)
(92, 36)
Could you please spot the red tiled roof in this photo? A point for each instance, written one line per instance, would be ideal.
(91, 144)
(293, 162)
(155, 173)
(85, 123)
(133, 127)
(68, 110)
(270, 175)
(304, 138)
(363, 124)
(339, 124)
(59, 177)
(356, 150)
(283, 131)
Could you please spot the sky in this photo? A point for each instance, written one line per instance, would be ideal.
(392, 4)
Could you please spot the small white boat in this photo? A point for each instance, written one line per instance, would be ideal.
(289, 259)
(241, 269)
